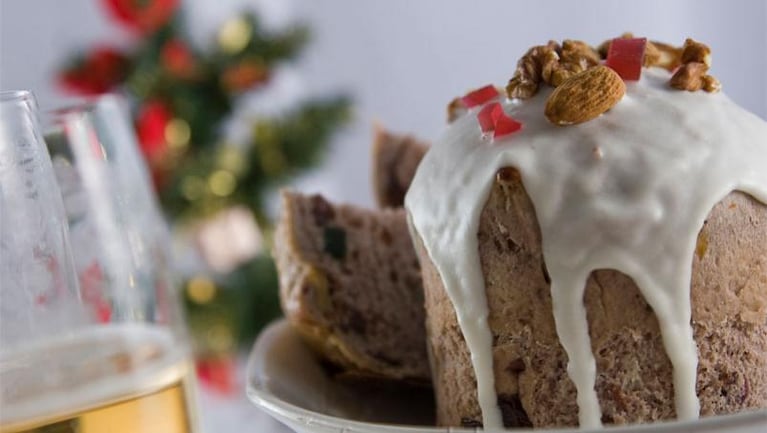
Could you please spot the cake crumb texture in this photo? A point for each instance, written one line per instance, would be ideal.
(634, 375)
(350, 284)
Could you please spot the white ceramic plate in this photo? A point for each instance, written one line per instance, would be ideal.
(285, 380)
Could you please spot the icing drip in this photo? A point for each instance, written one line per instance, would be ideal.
(627, 191)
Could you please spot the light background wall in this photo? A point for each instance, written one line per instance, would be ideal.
(403, 60)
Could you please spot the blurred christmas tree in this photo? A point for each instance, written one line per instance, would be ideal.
(183, 96)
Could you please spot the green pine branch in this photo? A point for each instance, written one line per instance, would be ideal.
(280, 149)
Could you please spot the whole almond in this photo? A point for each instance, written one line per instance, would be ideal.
(585, 96)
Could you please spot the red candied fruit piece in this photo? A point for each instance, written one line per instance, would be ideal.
(505, 125)
(625, 57)
(480, 96)
(497, 113)
(492, 118)
(487, 116)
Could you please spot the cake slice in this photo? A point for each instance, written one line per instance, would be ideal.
(350, 284)
(395, 159)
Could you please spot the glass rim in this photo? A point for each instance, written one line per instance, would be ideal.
(86, 106)
(74, 108)
(16, 95)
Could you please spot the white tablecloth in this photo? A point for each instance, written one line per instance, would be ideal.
(233, 414)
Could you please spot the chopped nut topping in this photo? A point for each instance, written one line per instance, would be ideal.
(551, 64)
(694, 51)
(549, 61)
(662, 55)
(711, 84)
(554, 64)
(652, 54)
(579, 53)
(521, 88)
(524, 84)
(689, 77)
(455, 110)
(692, 75)
(561, 74)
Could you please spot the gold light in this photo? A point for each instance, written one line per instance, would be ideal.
(200, 290)
(222, 183)
(192, 187)
(177, 134)
(231, 159)
(234, 35)
(220, 338)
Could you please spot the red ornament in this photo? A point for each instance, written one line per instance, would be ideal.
(625, 57)
(99, 71)
(142, 15)
(244, 75)
(218, 374)
(152, 120)
(177, 59)
(480, 96)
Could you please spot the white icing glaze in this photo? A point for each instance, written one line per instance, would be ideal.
(627, 191)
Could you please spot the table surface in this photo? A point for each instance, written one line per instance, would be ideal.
(234, 413)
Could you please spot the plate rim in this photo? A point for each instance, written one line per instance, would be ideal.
(279, 408)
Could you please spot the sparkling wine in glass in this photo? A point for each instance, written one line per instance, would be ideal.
(97, 342)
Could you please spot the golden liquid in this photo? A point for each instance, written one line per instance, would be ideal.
(121, 381)
(162, 411)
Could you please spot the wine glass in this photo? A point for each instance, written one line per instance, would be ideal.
(116, 356)
(38, 289)
(117, 232)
